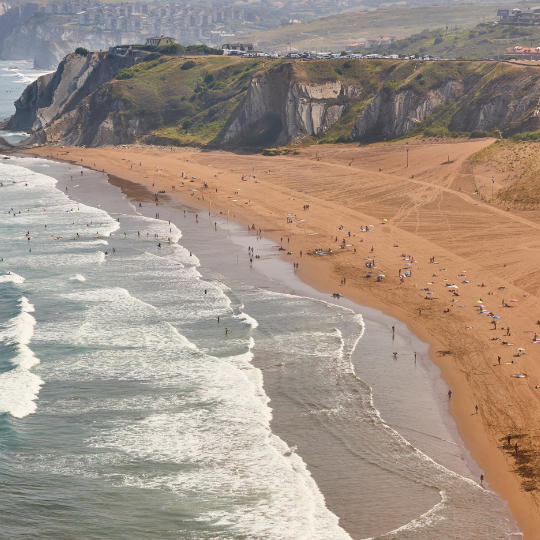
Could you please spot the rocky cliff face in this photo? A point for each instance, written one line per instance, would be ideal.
(54, 96)
(278, 108)
(81, 104)
(393, 114)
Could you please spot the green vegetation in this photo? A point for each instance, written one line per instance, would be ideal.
(191, 101)
(81, 51)
(188, 105)
(486, 40)
(344, 30)
(175, 49)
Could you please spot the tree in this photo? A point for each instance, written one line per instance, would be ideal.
(81, 51)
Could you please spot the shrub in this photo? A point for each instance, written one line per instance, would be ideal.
(188, 65)
(209, 78)
(151, 56)
(124, 74)
(81, 51)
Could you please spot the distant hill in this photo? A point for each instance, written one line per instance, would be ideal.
(340, 31)
(486, 40)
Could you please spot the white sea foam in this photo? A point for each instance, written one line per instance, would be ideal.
(248, 319)
(11, 277)
(19, 388)
(77, 277)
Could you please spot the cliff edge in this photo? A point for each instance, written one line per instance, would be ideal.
(240, 102)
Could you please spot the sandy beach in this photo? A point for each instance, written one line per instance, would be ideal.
(417, 216)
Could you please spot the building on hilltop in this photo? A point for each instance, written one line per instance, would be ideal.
(160, 41)
(523, 53)
(519, 16)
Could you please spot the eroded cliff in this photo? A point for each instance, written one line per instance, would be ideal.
(223, 101)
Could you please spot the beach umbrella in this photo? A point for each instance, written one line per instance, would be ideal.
(381, 275)
(520, 349)
(479, 302)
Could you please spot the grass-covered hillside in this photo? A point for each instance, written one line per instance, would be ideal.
(486, 40)
(190, 98)
(345, 29)
(194, 101)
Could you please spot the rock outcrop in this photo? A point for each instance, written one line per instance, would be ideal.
(394, 114)
(54, 96)
(279, 108)
(84, 104)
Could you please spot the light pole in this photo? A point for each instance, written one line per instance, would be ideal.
(407, 153)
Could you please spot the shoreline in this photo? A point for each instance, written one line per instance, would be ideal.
(324, 276)
(434, 441)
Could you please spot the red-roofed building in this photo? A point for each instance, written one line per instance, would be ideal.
(523, 53)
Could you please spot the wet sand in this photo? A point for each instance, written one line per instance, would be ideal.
(425, 210)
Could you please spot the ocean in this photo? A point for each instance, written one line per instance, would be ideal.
(15, 75)
(155, 384)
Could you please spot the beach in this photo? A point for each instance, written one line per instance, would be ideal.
(448, 263)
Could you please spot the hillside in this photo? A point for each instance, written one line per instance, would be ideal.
(346, 29)
(517, 166)
(486, 40)
(232, 101)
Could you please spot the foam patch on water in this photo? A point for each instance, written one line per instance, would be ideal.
(77, 277)
(11, 277)
(248, 319)
(19, 388)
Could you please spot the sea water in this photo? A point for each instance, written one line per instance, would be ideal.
(15, 75)
(127, 410)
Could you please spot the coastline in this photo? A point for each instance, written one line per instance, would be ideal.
(324, 273)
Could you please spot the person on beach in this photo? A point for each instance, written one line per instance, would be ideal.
(393, 331)
(449, 394)
(476, 409)
(226, 331)
(482, 480)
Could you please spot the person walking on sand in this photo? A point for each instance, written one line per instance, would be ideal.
(449, 394)
(499, 359)
(482, 480)
(476, 409)
(226, 331)
(393, 331)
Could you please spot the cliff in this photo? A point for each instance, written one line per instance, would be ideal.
(53, 96)
(240, 102)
